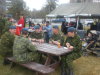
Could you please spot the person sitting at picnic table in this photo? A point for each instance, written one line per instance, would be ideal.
(73, 43)
(24, 50)
(6, 44)
(37, 35)
(55, 39)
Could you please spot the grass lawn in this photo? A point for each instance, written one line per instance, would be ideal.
(88, 65)
(83, 66)
(18, 70)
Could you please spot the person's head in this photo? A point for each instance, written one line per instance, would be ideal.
(12, 29)
(47, 23)
(55, 29)
(71, 32)
(33, 24)
(25, 32)
(89, 34)
(38, 24)
(21, 17)
(37, 28)
(10, 19)
(63, 23)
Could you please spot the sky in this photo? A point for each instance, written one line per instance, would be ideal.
(38, 4)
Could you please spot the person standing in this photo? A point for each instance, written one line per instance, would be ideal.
(30, 22)
(73, 43)
(63, 27)
(6, 43)
(20, 25)
(8, 23)
(47, 32)
(98, 26)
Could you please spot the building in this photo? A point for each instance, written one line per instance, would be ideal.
(80, 1)
(8, 4)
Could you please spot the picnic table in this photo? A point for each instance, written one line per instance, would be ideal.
(51, 50)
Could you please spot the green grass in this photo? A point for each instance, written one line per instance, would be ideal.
(18, 70)
(83, 66)
(87, 66)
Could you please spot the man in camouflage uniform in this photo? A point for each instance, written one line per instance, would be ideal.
(23, 50)
(6, 43)
(72, 42)
(55, 39)
(2, 25)
(8, 23)
(37, 35)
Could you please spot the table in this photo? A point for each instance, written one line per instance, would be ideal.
(51, 50)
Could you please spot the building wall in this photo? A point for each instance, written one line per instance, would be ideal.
(79, 1)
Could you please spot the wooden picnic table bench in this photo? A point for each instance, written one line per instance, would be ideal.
(39, 68)
(51, 50)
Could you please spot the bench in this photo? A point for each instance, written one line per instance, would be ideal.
(39, 68)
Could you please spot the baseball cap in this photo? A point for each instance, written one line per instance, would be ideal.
(25, 29)
(36, 27)
(12, 27)
(56, 27)
(71, 29)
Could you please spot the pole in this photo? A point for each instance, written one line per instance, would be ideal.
(77, 22)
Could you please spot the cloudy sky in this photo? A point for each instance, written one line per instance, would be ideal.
(38, 4)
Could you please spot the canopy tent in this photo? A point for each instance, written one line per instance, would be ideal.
(77, 9)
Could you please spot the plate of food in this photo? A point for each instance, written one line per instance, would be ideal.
(65, 48)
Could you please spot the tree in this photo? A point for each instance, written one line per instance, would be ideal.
(2, 7)
(18, 7)
(38, 13)
(50, 6)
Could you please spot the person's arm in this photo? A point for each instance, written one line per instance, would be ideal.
(20, 25)
(69, 46)
(54, 42)
(63, 40)
(30, 46)
(78, 44)
(47, 28)
(40, 40)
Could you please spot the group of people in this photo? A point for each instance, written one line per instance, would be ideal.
(22, 47)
